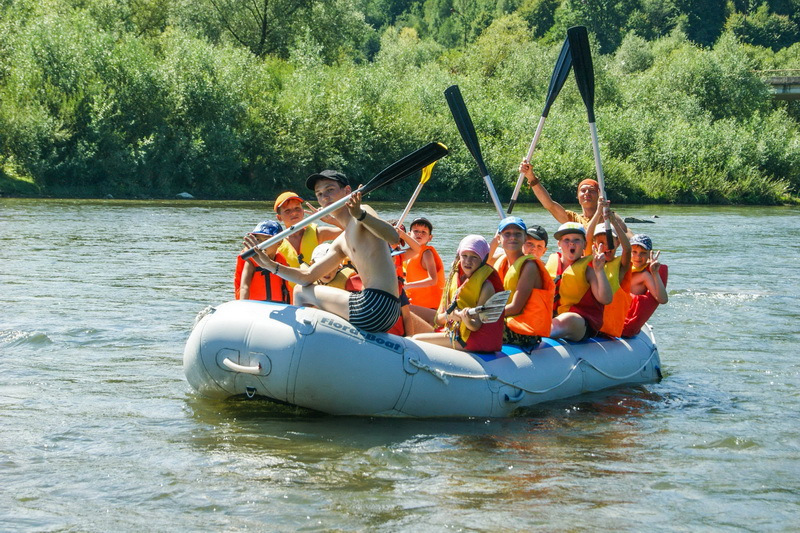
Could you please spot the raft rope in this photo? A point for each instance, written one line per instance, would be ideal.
(443, 374)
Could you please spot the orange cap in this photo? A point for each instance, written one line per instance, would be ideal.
(285, 197)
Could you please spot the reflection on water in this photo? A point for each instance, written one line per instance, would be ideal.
(101, 430)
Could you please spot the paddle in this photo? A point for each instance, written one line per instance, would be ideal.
(399, 169)
(467, 131)
(578, 39)
(426, 175)
(560, 73)
(491, 309)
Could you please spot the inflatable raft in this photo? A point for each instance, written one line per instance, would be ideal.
(314, 359)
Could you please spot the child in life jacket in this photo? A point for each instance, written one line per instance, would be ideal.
(251, 282)
(618, 269)
(648, 284)
(529, 311)
(582, 289)
(472, 282)
(424, 272)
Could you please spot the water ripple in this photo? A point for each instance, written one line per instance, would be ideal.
(13, 338)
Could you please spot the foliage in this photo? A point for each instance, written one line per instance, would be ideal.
(150, 98)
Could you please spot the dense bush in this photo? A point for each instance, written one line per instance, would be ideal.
(152, 98)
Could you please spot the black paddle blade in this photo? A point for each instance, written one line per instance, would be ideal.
(413, 162)
(464, 124)
(560, 73)
(578, 39)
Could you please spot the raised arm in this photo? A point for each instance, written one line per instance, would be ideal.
(658, 290)
(555, 208)
(596, 276)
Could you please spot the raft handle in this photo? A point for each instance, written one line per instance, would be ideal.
(239, 368)
(250, 392)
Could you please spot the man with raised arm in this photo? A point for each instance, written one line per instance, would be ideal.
(588, 195)
(364, 239)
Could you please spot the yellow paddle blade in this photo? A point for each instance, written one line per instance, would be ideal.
(426, 173)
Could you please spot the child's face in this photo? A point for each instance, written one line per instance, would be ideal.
(421, 233)
(639, 255)
(470, 262)
(291, 212)
(608, 251)
(534, 247)
(571, 246)
(512, 237)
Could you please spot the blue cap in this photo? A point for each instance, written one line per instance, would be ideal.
(642, 240)
(268, 228)
(511, 221)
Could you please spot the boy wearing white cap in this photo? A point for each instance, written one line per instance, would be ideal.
(618, 269)
(582, 289)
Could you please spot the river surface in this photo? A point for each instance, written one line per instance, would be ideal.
(100, 431)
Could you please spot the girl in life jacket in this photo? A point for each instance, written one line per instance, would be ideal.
(529, 310)
(472, 283)
(251, 282)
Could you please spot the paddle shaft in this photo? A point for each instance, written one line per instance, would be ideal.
(300, 225)
(578, 38)
(559, 76)
(401, 168)
(521, 177)
(410, 203)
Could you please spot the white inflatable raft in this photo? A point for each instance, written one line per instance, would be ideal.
(313, 359)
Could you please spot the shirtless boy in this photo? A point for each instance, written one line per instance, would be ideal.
(364, 239)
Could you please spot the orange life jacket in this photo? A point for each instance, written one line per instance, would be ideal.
(614, 313)
(431, 296)
(536, 316)
(265, 285)
(573, 292)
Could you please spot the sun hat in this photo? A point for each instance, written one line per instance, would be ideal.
(538, 233)
(511, 221)
(285, 197)
(642, 240)
(320, 251)
(476, 244)
(600, 229)
(267, 227)
(569, 227)
(334, 175)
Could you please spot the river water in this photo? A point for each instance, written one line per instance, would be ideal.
(100, 430)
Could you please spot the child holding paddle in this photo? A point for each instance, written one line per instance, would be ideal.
(618, 269)
(472, 284)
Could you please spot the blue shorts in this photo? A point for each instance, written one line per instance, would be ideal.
(373, 310)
